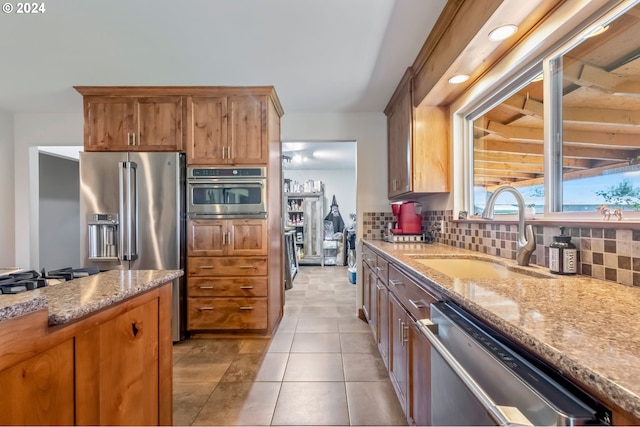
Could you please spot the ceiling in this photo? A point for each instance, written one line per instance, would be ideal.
(319, 155)
(322, 55)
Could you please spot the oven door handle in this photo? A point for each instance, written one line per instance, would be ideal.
(504, 415)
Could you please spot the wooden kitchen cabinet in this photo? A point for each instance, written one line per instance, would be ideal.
(419, 393)
(227, 272)
(40, 390)
(129, 123)
(417, 144)
(224, 237)
(398, 353)
(117, 367)
(110, 367)
(227, 130)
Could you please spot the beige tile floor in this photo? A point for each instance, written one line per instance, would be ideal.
(322, 367)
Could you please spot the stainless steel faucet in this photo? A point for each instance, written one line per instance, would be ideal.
(526, 243)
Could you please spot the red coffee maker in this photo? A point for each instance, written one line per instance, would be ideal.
(409, 215)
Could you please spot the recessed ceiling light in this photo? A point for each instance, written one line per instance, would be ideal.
(597, 31)
(459, 78)
(502, 32)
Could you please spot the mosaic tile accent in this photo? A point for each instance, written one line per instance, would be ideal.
(604, 253)
(375, 223)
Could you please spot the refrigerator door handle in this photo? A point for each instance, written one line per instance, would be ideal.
(129, 210)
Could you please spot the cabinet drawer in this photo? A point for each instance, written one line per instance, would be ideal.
(369, 257)
(412, 296)
(227, 313)
(382, 269)
(226, 266)
(227, 287)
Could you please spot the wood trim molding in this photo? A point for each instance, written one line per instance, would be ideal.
(140, 91)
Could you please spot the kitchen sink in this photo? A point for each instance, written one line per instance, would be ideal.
(479, 268)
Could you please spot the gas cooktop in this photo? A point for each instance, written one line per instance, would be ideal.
(22, 281)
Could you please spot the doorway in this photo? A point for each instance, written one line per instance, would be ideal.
(320, 199)
(58, 207)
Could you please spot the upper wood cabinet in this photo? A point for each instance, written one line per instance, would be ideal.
(214, 125)
(116, 123)
(227, 130)
(418, 144)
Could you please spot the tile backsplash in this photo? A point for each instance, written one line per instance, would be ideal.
(604, 253)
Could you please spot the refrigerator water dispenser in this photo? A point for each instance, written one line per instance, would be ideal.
(103, 236)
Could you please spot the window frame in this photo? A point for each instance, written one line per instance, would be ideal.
(502, 82)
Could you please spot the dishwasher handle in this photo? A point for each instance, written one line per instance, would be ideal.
(506, 416)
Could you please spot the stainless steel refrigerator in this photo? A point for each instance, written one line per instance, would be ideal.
(132, 208)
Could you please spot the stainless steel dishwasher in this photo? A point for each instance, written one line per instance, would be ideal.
(478, 379)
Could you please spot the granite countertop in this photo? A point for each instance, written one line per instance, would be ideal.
(71, 300)
(586, 327)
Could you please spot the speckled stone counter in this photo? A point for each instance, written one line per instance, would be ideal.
(71, 300)
(587, 328)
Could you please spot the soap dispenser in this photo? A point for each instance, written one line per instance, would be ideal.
(563, 255)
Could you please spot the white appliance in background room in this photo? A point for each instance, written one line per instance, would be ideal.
(132, 216)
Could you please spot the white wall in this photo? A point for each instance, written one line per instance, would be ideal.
(31, 131)
(338, 182)
(7, 219)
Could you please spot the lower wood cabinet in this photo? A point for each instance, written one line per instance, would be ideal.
(393, 302)
(39, 390)
(112, 367)
(419, 403)
(117, 368)
(382, 327)
(398, 354)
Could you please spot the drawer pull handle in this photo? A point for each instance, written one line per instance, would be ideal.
(246, 287)
(380, 287)
(418, 304)
(379, 269)
(246, 308)
(207, 267)
(205, 308)
(246, 267)
(396, 282)
(206, 287)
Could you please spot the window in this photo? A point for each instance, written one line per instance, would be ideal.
(599, 91)
(592, 113)
(508, 149)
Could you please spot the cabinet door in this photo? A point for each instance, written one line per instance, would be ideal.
(398, 349)
(206, 125)
(117, 367)
(108, 123)
(383, 321)
(247, 130)
(247, 237)
(366, 290)
(206, 237)
(39, 391)
(159, 124)
(399, 133)
(373, 302)
(419, 399)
